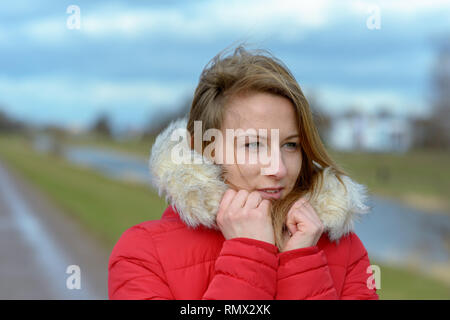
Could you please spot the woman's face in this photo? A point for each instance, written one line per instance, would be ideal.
(263, 111)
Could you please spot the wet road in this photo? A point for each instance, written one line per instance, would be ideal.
(37, 245)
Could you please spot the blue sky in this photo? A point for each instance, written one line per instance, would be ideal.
(135, 59)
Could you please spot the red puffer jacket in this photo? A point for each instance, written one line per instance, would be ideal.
(185, 256)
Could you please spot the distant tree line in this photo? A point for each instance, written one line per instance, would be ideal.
(157, 124)
(102, 126)
(10, 125)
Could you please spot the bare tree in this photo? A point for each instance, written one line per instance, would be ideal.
(439, 123)
(102, 125)
(321, 118)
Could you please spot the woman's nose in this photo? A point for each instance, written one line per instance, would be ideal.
(281, 170)
(277, 167)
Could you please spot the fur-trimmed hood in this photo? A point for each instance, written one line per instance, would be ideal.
(195, 190)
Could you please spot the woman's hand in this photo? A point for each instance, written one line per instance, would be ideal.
(245, 215)
(304, 226)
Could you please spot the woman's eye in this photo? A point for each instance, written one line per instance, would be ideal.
(292, 145)
(252, 145)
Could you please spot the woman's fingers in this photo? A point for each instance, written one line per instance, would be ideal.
(291, 224)
(226, 199)
(302, 212)
(304, 225)
(313, 214)
(303, 205)
(253, 200)
(294, 219)
(309, 213)
(265, 205)
(245, 217)
(239, 200)
(299, 203)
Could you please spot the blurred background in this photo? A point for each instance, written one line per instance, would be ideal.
(86, 85)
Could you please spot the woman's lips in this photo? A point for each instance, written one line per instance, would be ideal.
(270, 195)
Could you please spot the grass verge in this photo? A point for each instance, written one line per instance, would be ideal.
(104, 206)
(404, 284)
(420, 178)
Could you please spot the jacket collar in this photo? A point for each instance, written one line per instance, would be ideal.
(195, 190)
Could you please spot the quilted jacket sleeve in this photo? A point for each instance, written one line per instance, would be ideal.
(246, 269)
(356, 281)
(303, 274)
(134, 271)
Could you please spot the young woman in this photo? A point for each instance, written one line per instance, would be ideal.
(233, 230)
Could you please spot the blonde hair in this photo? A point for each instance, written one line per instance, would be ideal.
(243, 71)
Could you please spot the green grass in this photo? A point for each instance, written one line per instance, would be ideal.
(399, 283)
(107, 208)
(104, 206)
(418, 178)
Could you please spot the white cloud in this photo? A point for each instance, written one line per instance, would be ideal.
(48, 30)
(98, 91)
(209, 19)
(148, 92)
(47, 98)
(285, 19)
(401, 7)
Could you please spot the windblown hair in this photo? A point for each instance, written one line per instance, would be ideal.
(244, 71)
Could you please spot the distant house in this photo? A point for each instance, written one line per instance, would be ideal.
(382, 132)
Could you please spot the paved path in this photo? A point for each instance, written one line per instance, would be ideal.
(38, 243)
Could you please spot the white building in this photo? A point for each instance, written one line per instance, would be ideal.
(383, 132)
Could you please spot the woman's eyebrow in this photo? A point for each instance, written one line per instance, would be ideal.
(292, 136)
(265, 136)
(251, 134)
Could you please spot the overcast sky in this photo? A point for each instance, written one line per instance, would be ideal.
(136, 58)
